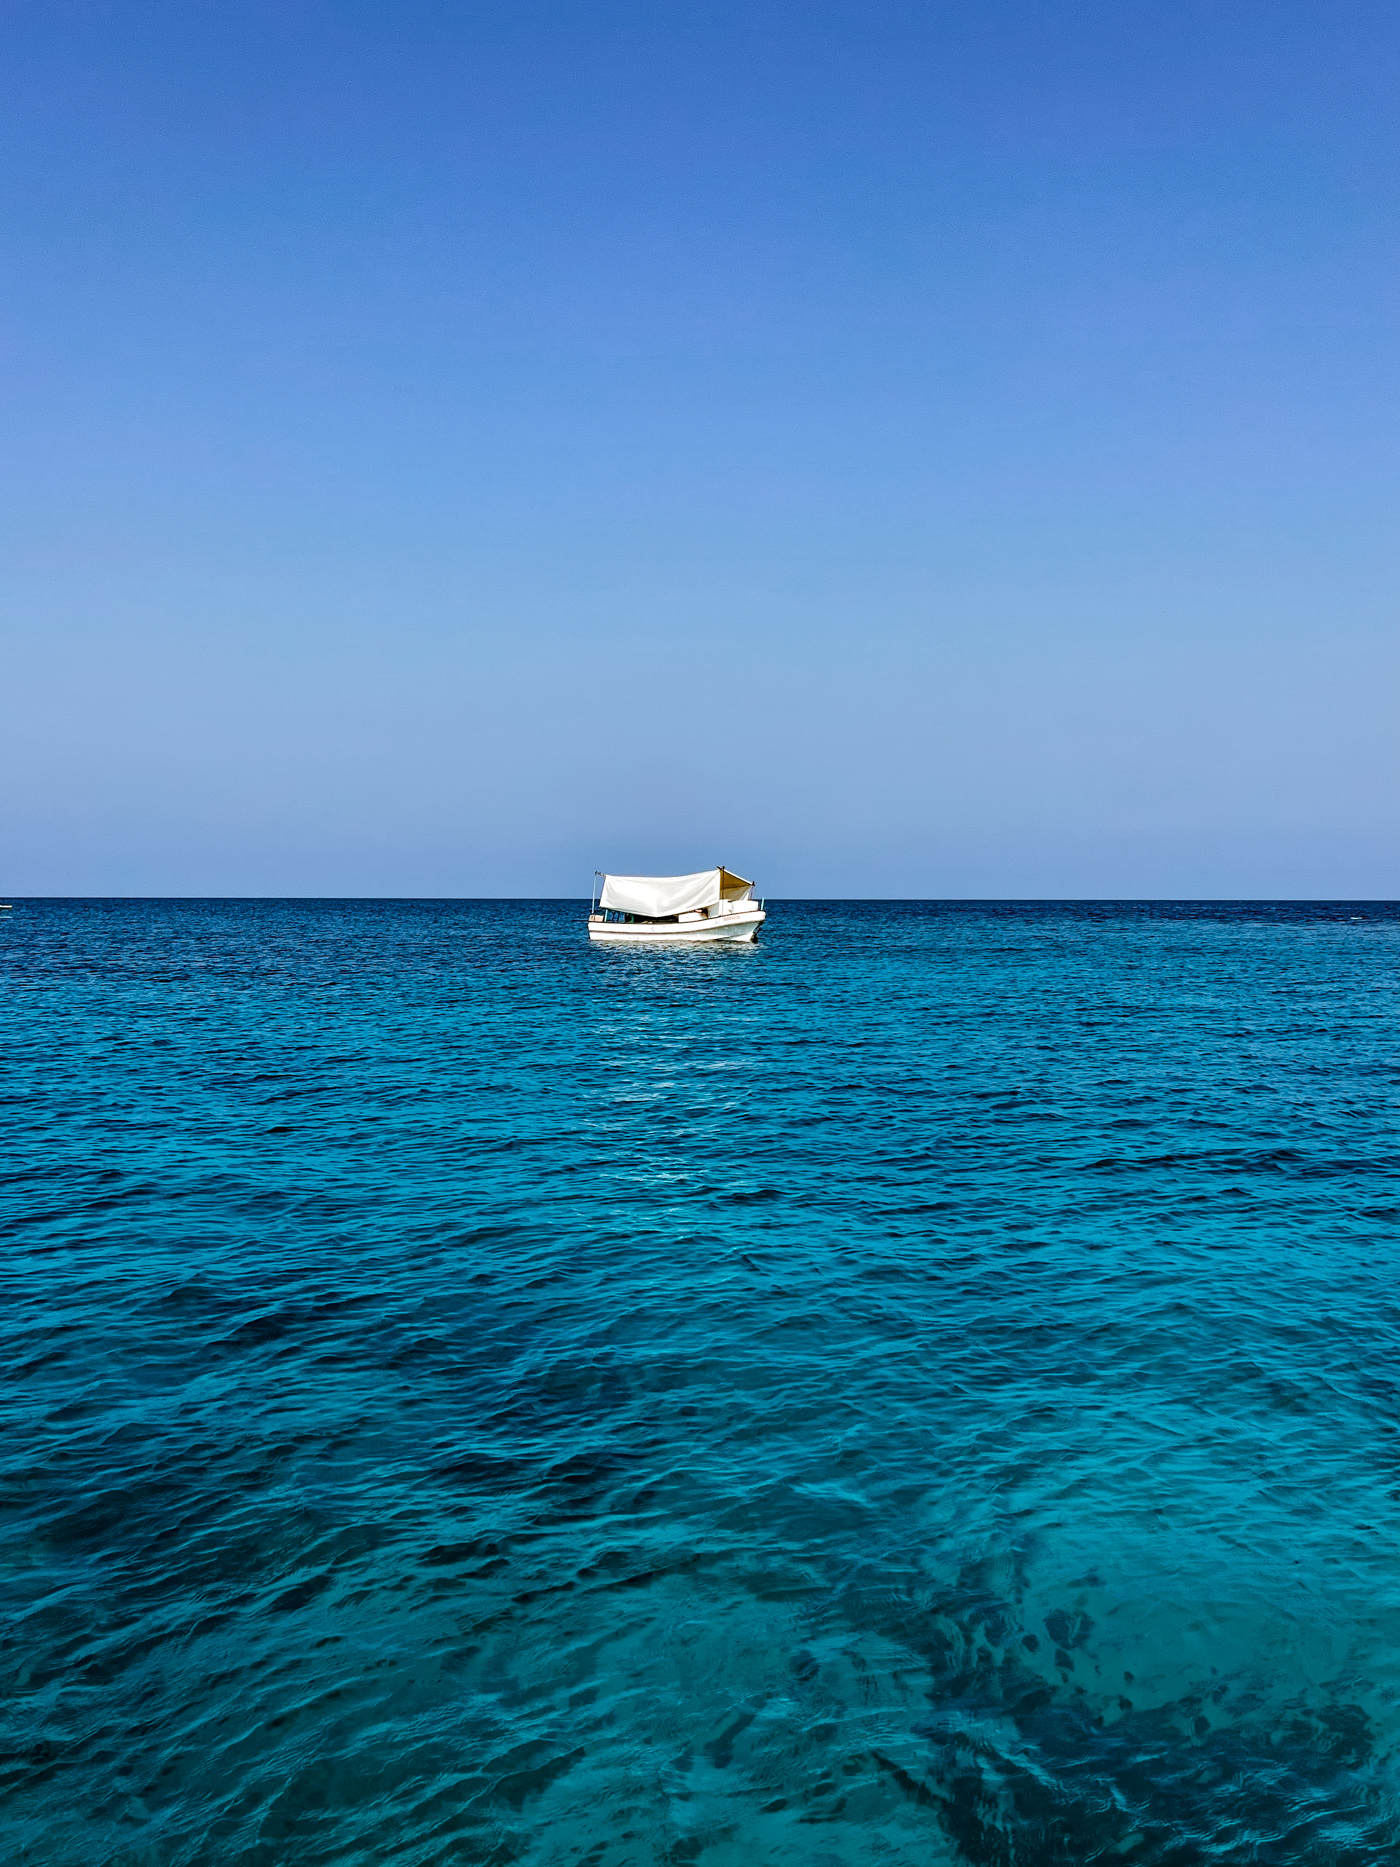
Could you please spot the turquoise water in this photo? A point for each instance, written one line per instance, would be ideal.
(921, 1389)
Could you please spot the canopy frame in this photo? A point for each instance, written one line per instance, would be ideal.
(663, 897)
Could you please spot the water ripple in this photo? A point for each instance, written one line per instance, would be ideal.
(921, 1389)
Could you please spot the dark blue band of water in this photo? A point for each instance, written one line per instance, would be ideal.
(923, 1388)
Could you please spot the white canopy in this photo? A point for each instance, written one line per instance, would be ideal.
(657, 895)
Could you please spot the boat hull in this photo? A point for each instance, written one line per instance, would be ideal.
(733, 929)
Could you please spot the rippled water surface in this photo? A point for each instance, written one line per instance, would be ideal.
(923, 1389)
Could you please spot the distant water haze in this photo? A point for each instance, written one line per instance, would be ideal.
(899, 452)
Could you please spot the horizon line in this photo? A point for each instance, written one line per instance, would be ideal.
(911, 900)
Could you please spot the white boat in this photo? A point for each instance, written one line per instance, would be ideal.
(715, 904)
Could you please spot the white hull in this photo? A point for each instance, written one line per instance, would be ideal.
(743, 926)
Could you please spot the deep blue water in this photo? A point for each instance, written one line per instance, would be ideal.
(923, 1389)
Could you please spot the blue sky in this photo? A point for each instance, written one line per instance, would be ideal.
(932, 450)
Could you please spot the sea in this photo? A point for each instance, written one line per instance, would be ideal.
(924, 1388)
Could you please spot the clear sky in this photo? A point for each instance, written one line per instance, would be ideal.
(934, 450)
